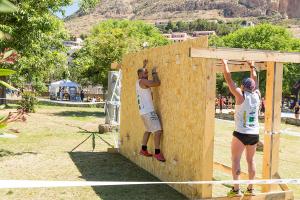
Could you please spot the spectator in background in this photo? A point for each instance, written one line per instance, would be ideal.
(18, 93)
(81, 95)
(216, 104)
(263, 106)
(61, 93)
(291, 104)
(230, 103)
(221, 103)
(297, 110)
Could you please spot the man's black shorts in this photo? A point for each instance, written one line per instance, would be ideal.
(246, 139)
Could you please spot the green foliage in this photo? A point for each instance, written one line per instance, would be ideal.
(108, 42)
(267, 37)
(28, 102)
(6, 72)
(37, 35)
(264, 36)
(8, 56)
(7, 7)
(3, 83)
(219, 27)
(87, 5)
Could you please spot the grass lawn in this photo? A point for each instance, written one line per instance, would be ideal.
(42, 151)
(289, 165)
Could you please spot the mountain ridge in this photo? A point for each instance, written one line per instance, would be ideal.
(155, 10)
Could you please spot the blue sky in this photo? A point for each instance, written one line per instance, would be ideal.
(70, 9)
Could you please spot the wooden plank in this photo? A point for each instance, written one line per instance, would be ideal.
(245, 54)
(284, 187)
(227, 170)
(272, 123)
(209, 129)
(239, 68)
(185, 98)
(288, 195)
(238, 62)
(115, 65)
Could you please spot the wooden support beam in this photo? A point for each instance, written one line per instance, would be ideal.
(245, 54)
(209, 126)
(284, 187)
(236, 67)
(227, 170)
(115, 65)
(272, 123)
(288, 195)
(238, 62)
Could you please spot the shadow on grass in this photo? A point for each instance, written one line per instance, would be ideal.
(101, 166)
(80, 114)
(4, 153)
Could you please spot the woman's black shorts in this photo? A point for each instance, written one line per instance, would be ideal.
(246, 139)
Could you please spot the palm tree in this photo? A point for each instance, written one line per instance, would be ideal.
(6, 7)
(8, 56)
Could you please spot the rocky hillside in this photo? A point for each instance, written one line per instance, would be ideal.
(153, 10)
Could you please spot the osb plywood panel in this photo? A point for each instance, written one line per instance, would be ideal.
(185, 104)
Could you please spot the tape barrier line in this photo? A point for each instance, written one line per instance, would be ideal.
(9, 184)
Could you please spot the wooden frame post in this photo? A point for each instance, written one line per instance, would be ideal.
(209, 125)
(272, 123)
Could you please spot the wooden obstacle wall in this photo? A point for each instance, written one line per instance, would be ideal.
(185, 104)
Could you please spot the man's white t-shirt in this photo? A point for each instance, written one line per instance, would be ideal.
(144, 98)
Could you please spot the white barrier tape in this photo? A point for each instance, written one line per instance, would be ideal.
(114, 103)
(9, 184)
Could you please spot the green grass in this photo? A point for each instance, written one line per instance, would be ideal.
(289, 164)
(42, 151)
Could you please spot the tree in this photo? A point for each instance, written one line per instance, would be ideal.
(108, 42)
(171, 27)
(267, 37)
(8, 56)
(37, 35)
(219, 27)
(182, 26)
(87, 5)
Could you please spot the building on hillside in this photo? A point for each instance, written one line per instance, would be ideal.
(77, 42)
(177, 37)
(201, 33)
(213, 21)
(167, 35)
(73, 46)
(247, 24)
(161, 23)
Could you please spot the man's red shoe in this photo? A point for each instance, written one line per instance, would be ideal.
(145, 153)
(160, 157)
